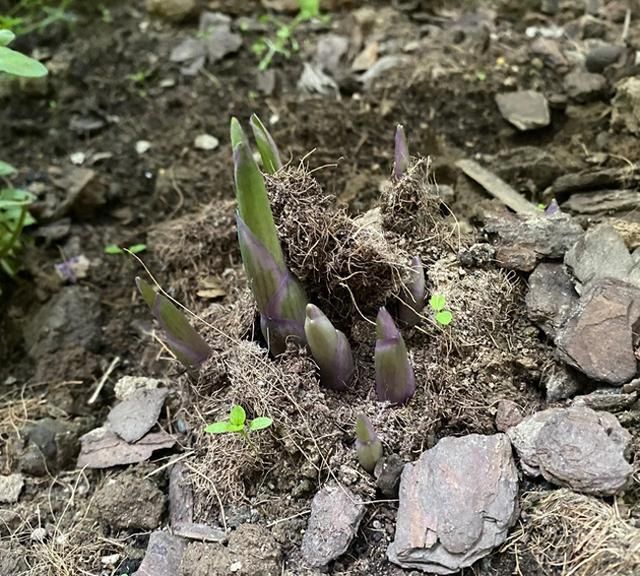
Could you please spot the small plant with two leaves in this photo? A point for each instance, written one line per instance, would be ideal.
(284, 42)
(237, 422)
(442, 315)
(14, 202)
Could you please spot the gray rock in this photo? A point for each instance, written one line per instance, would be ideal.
(71, 319)
(130, 501)
(335, 517)
(508, 414)
(457, 503)
(546, 236)
(101, 448)
(479, 254)
(584, 86)
(216, 34)
(131, 419)
(574, 447)
(594, 179)
(171, 10)
(625, 106)
(601, 253)
(330, 51)
(10, 488)
(189, 49)
(51, 446)
(603, 202)
(560, 383)
(527, 167)
(609, 399)
(598, 338)
(128, 385)
(163, 556)
(387, 472)
(602, 56)
(549, 50)
(525, 109)
(516, 257)
(551, 297)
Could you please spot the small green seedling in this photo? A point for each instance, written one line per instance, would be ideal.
(134, 249)
(237, 422)
(438, 304)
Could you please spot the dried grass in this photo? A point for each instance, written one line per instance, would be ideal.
(576, 535)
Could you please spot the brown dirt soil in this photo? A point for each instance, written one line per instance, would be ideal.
(347, 233)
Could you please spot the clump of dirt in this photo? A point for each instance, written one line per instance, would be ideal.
(580, 534)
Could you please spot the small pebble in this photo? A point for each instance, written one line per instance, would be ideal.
(206, 142)
(39, 534)
(142, 146)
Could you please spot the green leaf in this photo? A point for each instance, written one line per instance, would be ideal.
(237, 415)
(18, 64)
(237, 133)
(235, 427)
(309, 8)
(6, 37)
(137, 248)
(437, 302)
(6, 169)
(260, 423)
(113, 249)
(444, 318)
(266, 146)
(147, 291)
(218, 428)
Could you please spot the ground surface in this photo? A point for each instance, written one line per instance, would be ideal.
(113, 85)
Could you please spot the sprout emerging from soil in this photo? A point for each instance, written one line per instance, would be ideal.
(401, 154)
(330, 349)
(413, 295)
(280, 298)
(266, 146)
(368, 444)
(395, 381)
(181, 338)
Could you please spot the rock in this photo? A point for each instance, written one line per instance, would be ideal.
(130, 501)
(252, 551)
(598, 338)
(520, 258)
(603, 202)
(600, 57)
(10, 488)
(479, 254)
(387, 472)
(609, 399)
(546, 236)
(584, 86)
(189, 49)
(134, 417)
(51, 446)
(163, 556)
(127, 385)
(550, 298)
(625, 106)
(330, 52)
(527, 167)
(71, 319)
(525, 109)
(216, 34)
(508, 414)
(381, 66)
(600, 254)
(101, 448)
(206, 142)
(560, 383)
(335, 517)
(594, 180)
(457, 503)
(574, 447)
(143, 146)
(13, 559)
(171, 10)
(549, 50)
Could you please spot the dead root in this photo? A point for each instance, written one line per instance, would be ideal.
(576, 535)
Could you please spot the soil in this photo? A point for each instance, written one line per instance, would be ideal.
(112, 85)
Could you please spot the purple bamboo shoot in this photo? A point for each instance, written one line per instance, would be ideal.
(368, 446)
(413, 295)
(401, 154)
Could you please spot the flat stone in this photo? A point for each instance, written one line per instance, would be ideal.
(163, 556)
(128, 385)
(101, 448)
(216, 34)
(189, 49)
(130, 501)
(575, 447)
(625, 106)
(600, 57)
(603, 202)
(584, 86)
(508, 414)
(335, 517)
(387, 472)
(171, 10)
(594, 179)
(520, 258)
(134, 417)
(457, 503)
(10, 488)
(525, 109)
(600, 254)
(560, 383)
(551, 297)
(598, 338)
(51, 446)
(549, 50)
(609, 399)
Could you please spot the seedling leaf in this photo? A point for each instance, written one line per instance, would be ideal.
(6, 169)
(137, 248)
(113, 249)
(217, 428)
(237, 416)
(260, 423)
(18, 64)
(437, 302)
(235, 427)
(444, 317)
(6, 37)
